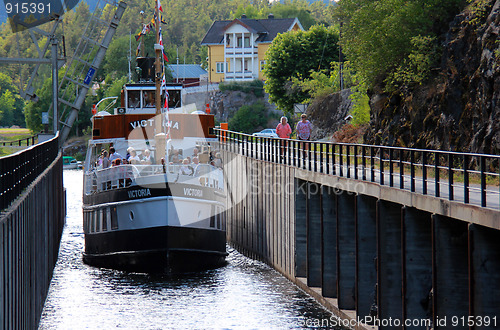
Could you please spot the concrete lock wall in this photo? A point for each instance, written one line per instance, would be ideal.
(367, 252)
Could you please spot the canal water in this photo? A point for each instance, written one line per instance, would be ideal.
(245, 294)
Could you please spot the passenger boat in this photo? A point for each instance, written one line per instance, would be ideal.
(151, 215)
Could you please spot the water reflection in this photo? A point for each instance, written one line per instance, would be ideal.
(244, 294)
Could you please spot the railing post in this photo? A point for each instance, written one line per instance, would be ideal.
(466, 178)
(244, 145)
(321, 165)
(267, 149)
(308, 144)
(483, 180)
(363, 161)
(348, 159)
(450, 176)
(372, 164)
(401, 170)
(341, 160)
(327, 156)
(356, 161)
(252, 145)
(334, 167)
(424, 172)
(315, 154)
(412, 170)
(391, 167)
(381, 161)
(436, 172)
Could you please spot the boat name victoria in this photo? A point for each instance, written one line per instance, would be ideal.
(193, 192)
(150, 123)
(139, 193)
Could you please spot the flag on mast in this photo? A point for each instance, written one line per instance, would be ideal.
(164, 88)
(138, 49)
(162, 48)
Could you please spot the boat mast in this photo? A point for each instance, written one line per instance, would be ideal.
(158, 69)
(160, 141)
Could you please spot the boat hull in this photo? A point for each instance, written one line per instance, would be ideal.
(166, 249)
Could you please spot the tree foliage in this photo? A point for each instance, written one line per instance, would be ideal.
(11, 104)
(248, 118)
(382, 38)
(297, 54)
(186, 22)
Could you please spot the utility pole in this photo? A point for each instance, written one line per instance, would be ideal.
(55, 84)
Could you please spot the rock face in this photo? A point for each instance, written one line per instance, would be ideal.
(459, 109)
(225, 104)
(328, 114)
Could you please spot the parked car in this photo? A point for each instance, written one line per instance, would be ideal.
(268, 132)
(71, 163)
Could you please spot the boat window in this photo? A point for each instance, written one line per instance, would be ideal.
(98, 221)
(105, 219)
(114, 218)
(224, 220)
(85, 221)
(219, 218)
(212, 217)
(174, 99)
(92, 222)
(134, 99)
(148, 98)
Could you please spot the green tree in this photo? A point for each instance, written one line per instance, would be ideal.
(117, 56)
(297, 54)
(248, 118)
(378, 36)
(11, 104)
(33, 111)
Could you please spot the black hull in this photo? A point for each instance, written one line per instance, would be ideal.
(157, 250)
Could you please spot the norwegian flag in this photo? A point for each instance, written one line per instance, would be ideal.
(162, 49)
(164, 88)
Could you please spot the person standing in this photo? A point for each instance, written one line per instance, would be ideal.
(113, 154)
(304, 128)
(283, 130)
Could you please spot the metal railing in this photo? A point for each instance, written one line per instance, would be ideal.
(31, 224)
(19, 170)
(26, 141)
(470, 178)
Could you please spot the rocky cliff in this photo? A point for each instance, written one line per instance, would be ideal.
(328, 114)
(459, 108)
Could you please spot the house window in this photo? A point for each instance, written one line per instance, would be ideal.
(247, 42)
(220, 67)
(262, 63)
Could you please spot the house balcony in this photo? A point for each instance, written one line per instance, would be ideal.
(240, 52)
(241, 75)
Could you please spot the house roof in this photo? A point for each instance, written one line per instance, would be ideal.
(186, 70)
(267, 29)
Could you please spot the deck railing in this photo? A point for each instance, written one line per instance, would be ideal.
(470, 178)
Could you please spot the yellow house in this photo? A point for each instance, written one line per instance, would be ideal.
(236, 49)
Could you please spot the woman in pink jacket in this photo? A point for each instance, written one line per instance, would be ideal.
(283, 130)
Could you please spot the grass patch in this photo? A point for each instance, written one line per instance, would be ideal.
(13, 134)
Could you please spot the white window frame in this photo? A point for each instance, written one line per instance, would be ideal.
(219, 67)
